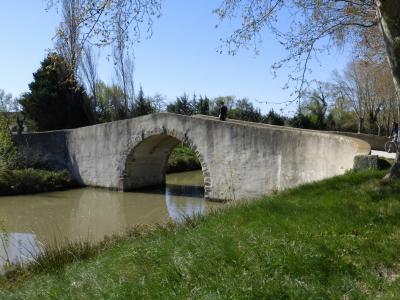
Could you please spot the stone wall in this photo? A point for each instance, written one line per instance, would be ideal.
(376, 142)
(44, 150)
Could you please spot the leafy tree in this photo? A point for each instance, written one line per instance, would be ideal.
(274, 118)
(245, 110)
(8, 151)
(214, 104)
(142, 106)
(158, 102)
(109, 102)
(301, 120)
(103, 22)
(313, 26)
(6, 101)
(317, 107)
(341, 118)
(55, 100)
(203, 106)
(89, 76)
(182, 106)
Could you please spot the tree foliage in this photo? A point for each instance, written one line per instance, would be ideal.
(244, 110)
(182, 106)
(104, 22)
(109, 103)
(305, 28)
(8, 151)
(142, 106)
(274, 118)
(367, 87)
(55, 100)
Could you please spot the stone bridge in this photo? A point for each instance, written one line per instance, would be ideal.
(240, 160)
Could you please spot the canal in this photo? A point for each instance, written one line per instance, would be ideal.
(31, 221)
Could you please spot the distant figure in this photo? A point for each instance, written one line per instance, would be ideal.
(223, 111)
(394, 131)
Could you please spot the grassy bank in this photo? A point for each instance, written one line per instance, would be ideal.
(338, 239)
(27, 181)
(182, 159)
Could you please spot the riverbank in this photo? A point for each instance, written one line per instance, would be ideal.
(338, 238)
(29, 181)
(182, 159)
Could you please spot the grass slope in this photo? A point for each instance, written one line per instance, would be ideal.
(339, 238)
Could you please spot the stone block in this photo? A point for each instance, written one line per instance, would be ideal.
(362, 162)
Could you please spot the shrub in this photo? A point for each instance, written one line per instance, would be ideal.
(8, 151)
(27, 181)
(182, 159)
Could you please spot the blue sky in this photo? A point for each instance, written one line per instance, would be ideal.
(181, 56)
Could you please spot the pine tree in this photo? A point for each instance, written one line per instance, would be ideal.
(56, 100)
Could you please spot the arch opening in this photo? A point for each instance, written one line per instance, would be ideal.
(146, 163)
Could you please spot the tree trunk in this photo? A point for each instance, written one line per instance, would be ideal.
(360, 124)
(389, 12)
(389, 17)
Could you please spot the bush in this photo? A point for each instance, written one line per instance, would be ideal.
(182, 159)
(8, 151)
(27, 181)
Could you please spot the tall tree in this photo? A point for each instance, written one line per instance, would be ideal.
(110, 105)
(142, 106)
(100, 22)
(245, 110)
(55, 100)
(68, 42)
(6, 101)
(158, 102)
(203, 106)
(124, 69)
(315, 27)
(350, 87)
(317, 106)
(274, 118)
(90, 77)
(182, 106)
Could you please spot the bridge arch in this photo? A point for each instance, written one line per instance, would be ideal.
(146, 160)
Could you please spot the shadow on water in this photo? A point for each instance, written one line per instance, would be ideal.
(175, 190)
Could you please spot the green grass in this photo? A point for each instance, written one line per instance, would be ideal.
(182, 159)
(335, 239)
(27, 181)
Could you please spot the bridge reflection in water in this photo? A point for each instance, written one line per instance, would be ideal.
(90, 213)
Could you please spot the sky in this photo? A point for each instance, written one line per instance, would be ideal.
(180, 57)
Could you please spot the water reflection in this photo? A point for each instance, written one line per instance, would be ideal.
(182, 201)
(93, 213)
(18, 248)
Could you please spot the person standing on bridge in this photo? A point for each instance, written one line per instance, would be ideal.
(223, 111)
(394, 131)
